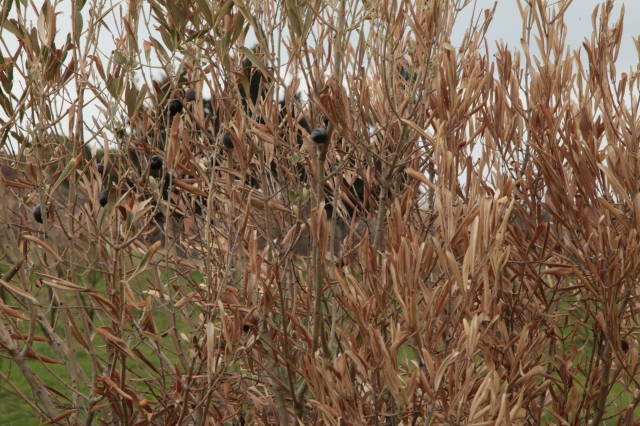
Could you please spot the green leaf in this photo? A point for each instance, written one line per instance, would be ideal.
(237, 30)
(145, 260)
(130, 100)
(154, 187)
(198, 34)
(78, 28)
(178, 16)
(141, 95)
(67, 171)
(34, 42)
(168, 40)
(4, 140)
(206, 11)
(7, 83)
(160, 51)
(307, 21)
(244, 82)
(52, 67)
(292, 11)
(260, 35)
(67, 46)
(114, 87)
(19, 138)
(119, 58)
(111, 204)
(226, 63)
(111, 201)
(257, 62)
(159, 14)
(6, 8)
(225, 9)
(224, 43)
(6, 104)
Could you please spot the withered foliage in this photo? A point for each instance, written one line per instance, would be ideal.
(463, 250)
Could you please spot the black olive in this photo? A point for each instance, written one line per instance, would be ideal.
(101, 168)
(175, 107)
(404, 74)
(226, 141)
(156, 162)
(190, 95)
(37, 214)
(103, 197)
(319, 135)
(624, 345)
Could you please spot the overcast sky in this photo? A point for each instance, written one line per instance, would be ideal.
(506, 26)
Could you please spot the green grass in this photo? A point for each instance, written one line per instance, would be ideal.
(15, 411)
(617, 400)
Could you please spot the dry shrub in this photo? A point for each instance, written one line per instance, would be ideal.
(478, 264)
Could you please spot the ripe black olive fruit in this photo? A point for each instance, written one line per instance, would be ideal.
(156, 162)
(101, 168)
(404, 74)
(190, 94)
(226, 140)
(103, 197)
(319, 135)
(624, 345)
(37, 214)
(175, 107)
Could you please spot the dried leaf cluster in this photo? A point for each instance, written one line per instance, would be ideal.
(463, 250)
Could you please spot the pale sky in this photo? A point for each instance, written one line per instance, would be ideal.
(507, 26)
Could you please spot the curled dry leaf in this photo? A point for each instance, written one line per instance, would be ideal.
(107, 334)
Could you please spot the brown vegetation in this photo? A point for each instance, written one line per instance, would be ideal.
(478, 264)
